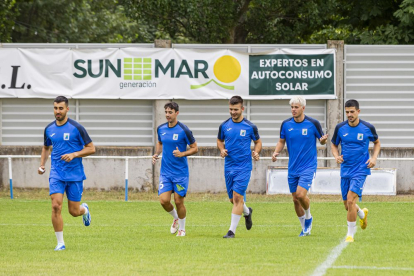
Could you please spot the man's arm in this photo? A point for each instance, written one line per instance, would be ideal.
(43, 159)
(192, 150)
(220, 146)
(279, 147)
(158, 150)
(257, 149)
(373, 160)
(87, 150)
(335, 153)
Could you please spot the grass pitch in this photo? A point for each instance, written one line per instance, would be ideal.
(132, 238)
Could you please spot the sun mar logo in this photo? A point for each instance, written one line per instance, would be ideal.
(227, 69)
(137, 69)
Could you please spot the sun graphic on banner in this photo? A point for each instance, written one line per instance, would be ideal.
(227, 69)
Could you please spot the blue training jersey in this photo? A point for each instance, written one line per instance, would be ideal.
(354, 147)
(172, 137)
(237, 139)
(68, 138)
(301, 144)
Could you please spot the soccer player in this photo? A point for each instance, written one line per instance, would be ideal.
(70, 143)
(173, 138)
(234, 139)
(300, 132)
(354, 136)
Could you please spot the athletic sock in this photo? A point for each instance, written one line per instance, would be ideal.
(234, 222)
(174, 213)
(246, 210)
(302, 221)
(86, 210)
(360, 213)
(181, 223)
(308, 214)
(351, 228)
(59, 237)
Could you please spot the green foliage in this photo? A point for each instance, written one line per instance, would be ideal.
(78, 21)
(8, 14)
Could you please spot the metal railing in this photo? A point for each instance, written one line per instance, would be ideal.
(126, 158)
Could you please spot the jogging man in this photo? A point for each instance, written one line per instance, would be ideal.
(354, 136)
(234, 139)
(70, 143)
(300, 132)
(173, 138)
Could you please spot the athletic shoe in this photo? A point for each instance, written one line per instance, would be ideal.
(174, 226)
(308, 227)
(181, 233)
(86, 217)
(301, 234)
(230, 235)
(60, 246)
(363, 222)
(349, 239)
(248, 218)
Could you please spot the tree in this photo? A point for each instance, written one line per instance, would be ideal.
(8, 14)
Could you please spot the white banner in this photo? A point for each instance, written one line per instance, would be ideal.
(140, 73)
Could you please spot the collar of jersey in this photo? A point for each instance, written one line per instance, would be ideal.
(237, 122)
(61, 125)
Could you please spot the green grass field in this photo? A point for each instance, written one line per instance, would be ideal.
(132, 238)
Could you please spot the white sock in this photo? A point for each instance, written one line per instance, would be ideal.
(246, 210)
(234, 222)
(86, 210)
(174, 213)
(360, 213)
(181, 223)
(59, 237)
(307, 213)
(351, 228)
(302, 221)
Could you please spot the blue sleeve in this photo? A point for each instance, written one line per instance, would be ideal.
(158, 134)
(188, 134)
(220, 134)
(46, 140)
(336, 139)
(373, 136)
(84, 135)
(282, 131)
(255, 133)
(319, 131)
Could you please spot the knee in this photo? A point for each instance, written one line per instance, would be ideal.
(74, 213)
(295, 200)
(56, 207)
(350, 204)
(238, 200)
(164, 202)
(300, 197)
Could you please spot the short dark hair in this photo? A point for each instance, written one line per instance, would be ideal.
(236, 100)
(60, 99)
(172, 105)
(352, 103)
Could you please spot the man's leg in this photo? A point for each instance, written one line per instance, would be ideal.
(74, 190)
(351, 215)
(57, 220)
(304, 201)
(182, 213)
(165, 200)
(300, 212)
(237, 211)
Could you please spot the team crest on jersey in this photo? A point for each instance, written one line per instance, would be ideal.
(175, 137)
(66, 136)
(360, 136)
(243, 132)
(304, 131)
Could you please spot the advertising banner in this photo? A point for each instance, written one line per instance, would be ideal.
(142, 73)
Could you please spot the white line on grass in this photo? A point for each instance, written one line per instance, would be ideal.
(373, 268)
(333, 255)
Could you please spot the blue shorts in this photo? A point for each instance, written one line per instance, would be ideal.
(74, 189)
(305, 180)
(355, 184)
(237, 181)
(177, 184)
